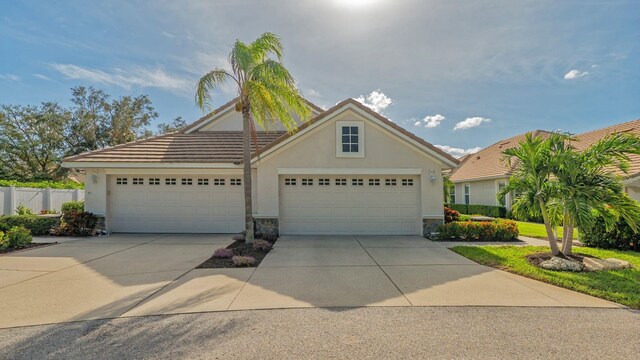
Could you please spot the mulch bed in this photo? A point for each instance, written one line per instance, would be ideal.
(239, 249)
(536, 259)
(28, 247)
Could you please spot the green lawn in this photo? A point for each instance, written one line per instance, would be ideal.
(621, 286)
(536, 230)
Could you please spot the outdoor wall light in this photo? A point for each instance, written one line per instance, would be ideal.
(432, 176)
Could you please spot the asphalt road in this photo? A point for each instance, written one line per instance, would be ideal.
(362, 333)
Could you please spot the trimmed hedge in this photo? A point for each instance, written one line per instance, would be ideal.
(621, 237)
(497, 230)
(42, 184)
(36, 224)
(486, 210)
(72, 206)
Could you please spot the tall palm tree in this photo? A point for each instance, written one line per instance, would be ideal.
(587, 186)
(531, 178)
(267, 94)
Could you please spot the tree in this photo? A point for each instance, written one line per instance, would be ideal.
(267, 94)
(32, 141)
(447, 188)
(530, 178)
(97, 121)
(586, 186)
(572, 187)
(173, 126)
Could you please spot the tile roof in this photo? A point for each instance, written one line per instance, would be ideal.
(588, 138)
(487, 162)
(197, 147)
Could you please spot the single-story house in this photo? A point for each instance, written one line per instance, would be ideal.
(480, 176)
(348, 170)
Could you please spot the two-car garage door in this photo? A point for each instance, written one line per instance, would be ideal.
(176, 204)
(379, 205)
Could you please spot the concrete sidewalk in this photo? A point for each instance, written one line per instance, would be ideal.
(133, 275)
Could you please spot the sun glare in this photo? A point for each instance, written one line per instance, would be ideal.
(355, 3)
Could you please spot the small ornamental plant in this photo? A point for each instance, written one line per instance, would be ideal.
(450, 215)
(262, 245)
(243, 261)
(223, 253)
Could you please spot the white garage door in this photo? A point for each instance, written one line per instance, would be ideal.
(359, 205)
(176, 204)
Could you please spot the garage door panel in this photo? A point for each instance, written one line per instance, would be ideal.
(349, 209)
(175, 208)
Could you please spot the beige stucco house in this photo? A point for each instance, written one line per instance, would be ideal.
(480, 176)
(348, 170)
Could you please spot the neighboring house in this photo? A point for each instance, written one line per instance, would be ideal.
(348, 170)
(480, 176)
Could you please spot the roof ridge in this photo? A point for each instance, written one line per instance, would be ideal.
(608, 127)
(118, 146)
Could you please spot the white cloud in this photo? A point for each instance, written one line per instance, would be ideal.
(313, 93)
(575, 74)
(458, 152)
(168, 34)
(43, 77)
(431, 121)
(10, 77)
(376, 100)
(126, 79)
(471, 122)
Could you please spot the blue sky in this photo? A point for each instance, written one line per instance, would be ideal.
(459, 74)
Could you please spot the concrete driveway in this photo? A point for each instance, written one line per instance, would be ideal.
(133, 275)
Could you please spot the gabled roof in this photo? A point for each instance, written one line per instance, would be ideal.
(487, 163)
(223, 146)
(289, 136)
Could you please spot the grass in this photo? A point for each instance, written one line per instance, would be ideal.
(536, 230)
(621, 286)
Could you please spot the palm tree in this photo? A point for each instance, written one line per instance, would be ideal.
(267, 94)
(447, 188)
(531, 178)
(587, 187)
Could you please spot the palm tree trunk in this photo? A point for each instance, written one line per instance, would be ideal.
(246, 156)
(553, 243)
(567, 245)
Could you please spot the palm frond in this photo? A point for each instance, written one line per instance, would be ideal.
(208, 83)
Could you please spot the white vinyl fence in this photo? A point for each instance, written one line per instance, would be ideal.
(36, 199)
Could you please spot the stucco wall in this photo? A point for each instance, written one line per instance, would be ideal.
(634, 191)
(483, 192)
(317, 149)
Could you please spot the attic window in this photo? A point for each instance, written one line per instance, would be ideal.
(349, 139)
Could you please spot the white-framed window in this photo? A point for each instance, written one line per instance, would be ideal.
(187, 181)
(374, 182)
(324, 182)
(121, 181)
(170, 181)
(341, 182)
(467, 194)
(154, 181)
(203, 182)
(390, 182)
(307, 182)
(137, 181)
(235, 182)
(218, 182)
(452, 195)
(290, 181)
(349, 139)
(357, 182)
(501, 185)
(407, 182)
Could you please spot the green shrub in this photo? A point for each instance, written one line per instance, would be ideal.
(74, 223)
(621, 237)
(498, 230)
(486, 210)
(23, 210)
(450, 215)
(37, 225)
(42, 184)
(16, 237)
(464, 217)
(76, 206)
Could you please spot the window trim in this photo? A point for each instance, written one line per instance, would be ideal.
(361, 142)
(466, 190)
(506, 198)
